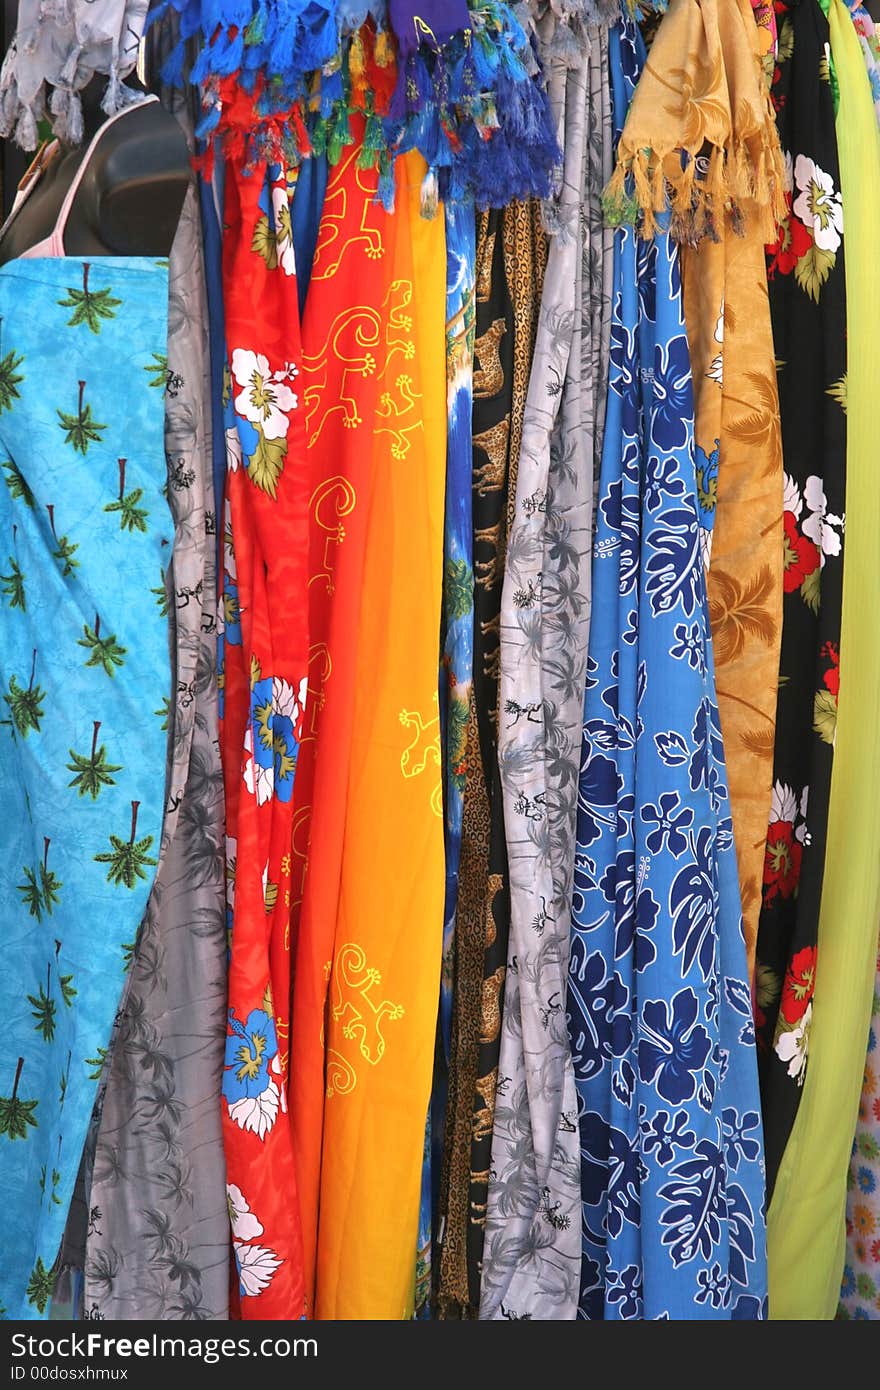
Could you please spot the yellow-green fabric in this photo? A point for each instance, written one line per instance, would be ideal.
(806, 1221)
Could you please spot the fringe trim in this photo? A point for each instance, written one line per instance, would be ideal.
(747, 175)
(473, 109)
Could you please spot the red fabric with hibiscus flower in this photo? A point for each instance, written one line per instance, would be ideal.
(264, 686)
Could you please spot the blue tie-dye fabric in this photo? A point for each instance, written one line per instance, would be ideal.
(659, 1006)
(85, 683)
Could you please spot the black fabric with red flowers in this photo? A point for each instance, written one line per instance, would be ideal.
(808, 305)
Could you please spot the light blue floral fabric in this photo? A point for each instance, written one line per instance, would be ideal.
(658, 1001)
(85, 683)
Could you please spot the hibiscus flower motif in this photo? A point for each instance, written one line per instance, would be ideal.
(794, 241)
(821, 526)
(817, 204)
(256, 1267)
(831, 677)
(283, 229)
(251, 1095)
(791, 497)
(258, 778)
(716, 366)
(800, 555)
(783, 802)
(245, 1225)
(673, 1047)
(265, 398)
(782, 861)
(792, 1046)
(233, 450)
(799, 983)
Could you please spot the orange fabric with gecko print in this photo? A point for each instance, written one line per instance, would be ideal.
(369, 800)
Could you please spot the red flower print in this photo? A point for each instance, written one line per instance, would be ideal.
(875, 1251)
(832, 676)
(794, 241)
(876, 1108)
(800, 556)
(782, 862)
(800, 980)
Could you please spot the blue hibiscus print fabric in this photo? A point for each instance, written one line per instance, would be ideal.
(85, 685)
(658, 1004)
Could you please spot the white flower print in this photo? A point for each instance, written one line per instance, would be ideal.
(716, 366)
(259, 781)
(793, 1045)
(283, 229)
(817, 205)
(788, 174)
(228, 547)
(257, 1113)
(783, 803)
(801, 833)
(265, 398)
(233, 450)
(276, 1070)
(256, 1267)
(791, 498)
(821, 525)
(245, 1225)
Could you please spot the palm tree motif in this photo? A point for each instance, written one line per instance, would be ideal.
(17, 483)
(91, 772)
(103, 651)
(25, 704)
(41, 886)
(161, 595)
(89, 306)
(64, 1078)
(43, 1008)
(40, 1286)
(81, 429)
(15, 1114)
(97, 1063)
(158, 371)
(68, 993)
(10, 378)
(128, 858)
(64, 548)
(131, 516)
(163, 712)
(13, 584)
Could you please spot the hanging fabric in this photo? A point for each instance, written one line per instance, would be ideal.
(88, 534)
(806, 1217)
(659, 1008)
(531, 1254)
(158, 1235)
(805, 265)
(263, 682)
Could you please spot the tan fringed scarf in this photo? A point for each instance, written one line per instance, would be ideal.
(701, 95)
(725, 202)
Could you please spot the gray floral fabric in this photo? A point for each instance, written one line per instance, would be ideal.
(60, 45)
(157, 1244)
(531, 1264)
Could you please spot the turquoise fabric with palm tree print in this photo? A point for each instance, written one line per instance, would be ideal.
(85, 683)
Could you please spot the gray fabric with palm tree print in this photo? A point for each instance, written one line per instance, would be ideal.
(531, 1264)
(157, 1243)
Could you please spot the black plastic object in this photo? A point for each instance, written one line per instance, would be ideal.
(131, 195)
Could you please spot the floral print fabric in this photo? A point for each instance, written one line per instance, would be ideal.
(263, 683)
(807, 286)
(658, 997)
(84, 690)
